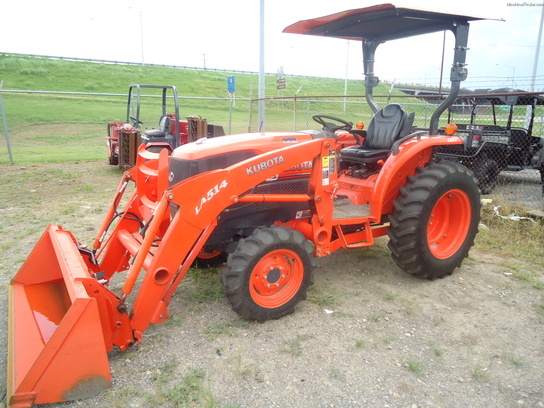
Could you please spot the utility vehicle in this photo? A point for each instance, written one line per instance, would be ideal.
(499, 144)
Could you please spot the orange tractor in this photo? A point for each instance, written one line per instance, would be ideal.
(273, 201)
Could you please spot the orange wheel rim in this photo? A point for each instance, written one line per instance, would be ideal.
(209, 255)
(449, 224)
(276, 278)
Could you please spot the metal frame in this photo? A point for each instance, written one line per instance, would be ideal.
(378, 24)
(165, 88)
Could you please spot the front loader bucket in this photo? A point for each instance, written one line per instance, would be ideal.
(56, 346)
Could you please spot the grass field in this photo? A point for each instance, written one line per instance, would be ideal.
(71, 127)
(71, 124)
(59, 75)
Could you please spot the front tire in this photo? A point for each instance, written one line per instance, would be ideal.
(435, 220)
(269, 273)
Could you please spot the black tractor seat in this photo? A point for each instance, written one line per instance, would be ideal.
(164, 127)
(387, 126)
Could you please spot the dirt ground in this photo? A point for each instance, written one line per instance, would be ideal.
(369, 335)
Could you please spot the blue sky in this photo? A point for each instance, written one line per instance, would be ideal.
(225, 34)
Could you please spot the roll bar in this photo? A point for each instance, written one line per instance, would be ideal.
(378, 24)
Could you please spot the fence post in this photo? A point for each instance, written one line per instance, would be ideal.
(250, 106)
(5, 124)
(230, 115)
(295, 114)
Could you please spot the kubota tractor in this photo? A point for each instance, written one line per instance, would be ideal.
(273, 201)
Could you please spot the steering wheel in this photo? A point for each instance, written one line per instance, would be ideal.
(332, 127)
(136, 122)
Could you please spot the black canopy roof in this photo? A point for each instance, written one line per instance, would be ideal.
(382, 23)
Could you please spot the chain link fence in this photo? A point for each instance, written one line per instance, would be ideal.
(71, 126)
(506, 151)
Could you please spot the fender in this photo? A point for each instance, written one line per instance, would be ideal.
(415, 152)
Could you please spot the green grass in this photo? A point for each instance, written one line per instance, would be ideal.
(20, 72)
(539, 307)
(376, 316)
(323, 296)
(72, 127)
(516, 360)
(519, 243)
(240, 369)
(213, 331)
(336, 374)
(509, 237)
(480, 373)
(165, 372)
(359, 344)
(189, 392)
(172, 390)
(389, 296)
(372, 253)
(68, 127)
(415, 367)
(205, 286)
(294, 346)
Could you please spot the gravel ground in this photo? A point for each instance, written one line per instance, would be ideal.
(369, 335)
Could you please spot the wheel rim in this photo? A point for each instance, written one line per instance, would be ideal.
(276, 278)
(449, 224)
(203, 254)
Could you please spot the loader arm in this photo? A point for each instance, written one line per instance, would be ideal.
(199, 201)
(63, 318)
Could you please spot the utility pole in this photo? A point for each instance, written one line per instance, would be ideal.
(261, 70)
(204, 60)
(346, 80)
(539, 38)
(513, 72)
(142, 36)
(5, 124)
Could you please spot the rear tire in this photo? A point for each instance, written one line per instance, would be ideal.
(487, 172)
(269, 273)
(435, 220)
(211, 259)
(542, 180)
